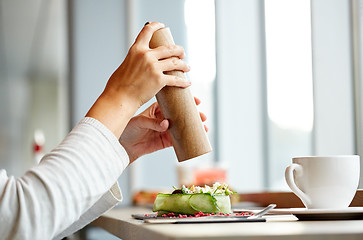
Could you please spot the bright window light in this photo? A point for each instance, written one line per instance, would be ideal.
(289, 64)
(200, 22)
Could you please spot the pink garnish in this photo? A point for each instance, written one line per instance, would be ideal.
(201, 214)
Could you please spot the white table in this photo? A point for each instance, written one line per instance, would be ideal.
(120, 223)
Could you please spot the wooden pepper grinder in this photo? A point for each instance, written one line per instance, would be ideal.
(178, 106)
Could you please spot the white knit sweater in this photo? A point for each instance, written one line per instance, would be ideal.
(72, 185)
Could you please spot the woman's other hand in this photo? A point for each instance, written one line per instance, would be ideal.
(147, 132)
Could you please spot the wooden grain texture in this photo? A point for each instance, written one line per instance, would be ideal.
(288, 199)
(178, 106)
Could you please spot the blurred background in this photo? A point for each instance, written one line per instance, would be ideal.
(277, 79)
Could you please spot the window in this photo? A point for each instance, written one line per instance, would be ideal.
(289, 85)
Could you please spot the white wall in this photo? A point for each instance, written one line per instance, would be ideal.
(99, 47)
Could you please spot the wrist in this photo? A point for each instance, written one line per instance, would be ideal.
(129, 153)
(113, 112)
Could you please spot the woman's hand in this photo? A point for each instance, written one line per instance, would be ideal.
(147, 132)
(141, 75)
(137, 80)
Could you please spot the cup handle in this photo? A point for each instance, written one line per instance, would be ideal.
(289, 176)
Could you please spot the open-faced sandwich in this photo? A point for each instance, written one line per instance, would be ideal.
(194, 199)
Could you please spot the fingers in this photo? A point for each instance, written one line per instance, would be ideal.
(203, 117)
(197, 101)
(154, 110)
(173, 63)
(169, 51)
(159, 125)
(147, 32)
(151, 110)
(168, 57)
(175, 81)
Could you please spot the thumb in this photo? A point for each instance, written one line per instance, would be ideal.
(155, 124)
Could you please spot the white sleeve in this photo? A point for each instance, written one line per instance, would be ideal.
(71, 186)
(105, 203)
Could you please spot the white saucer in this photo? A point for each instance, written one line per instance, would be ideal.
(322, 214)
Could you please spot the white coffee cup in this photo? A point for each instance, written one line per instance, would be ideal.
(324, 182)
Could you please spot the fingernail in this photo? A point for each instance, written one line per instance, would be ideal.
(163, 124)
(146, 23)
